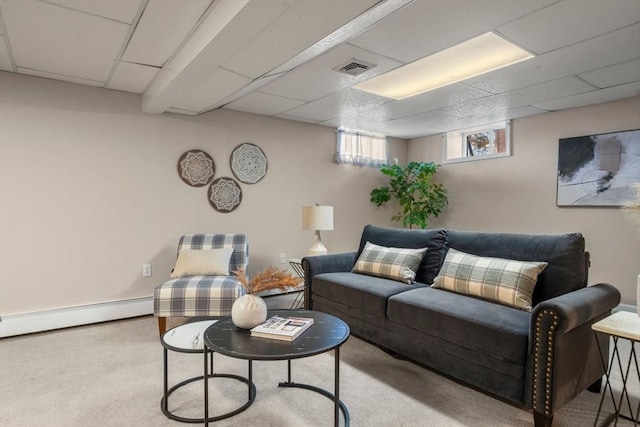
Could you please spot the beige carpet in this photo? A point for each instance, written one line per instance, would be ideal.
(110, 374)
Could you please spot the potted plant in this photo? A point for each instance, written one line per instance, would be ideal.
(419, 197)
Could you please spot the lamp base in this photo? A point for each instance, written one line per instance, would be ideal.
(318, 248)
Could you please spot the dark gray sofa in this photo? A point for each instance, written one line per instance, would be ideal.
(539, 360)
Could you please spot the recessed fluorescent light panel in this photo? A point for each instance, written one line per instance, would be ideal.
(474, 57)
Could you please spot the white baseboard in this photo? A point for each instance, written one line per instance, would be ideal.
(26, 323)
(46, 320)
(626, 307)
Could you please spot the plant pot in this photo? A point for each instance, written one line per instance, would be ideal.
(248, 311)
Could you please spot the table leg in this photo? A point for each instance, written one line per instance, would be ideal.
(624, 373)
(166, 381)
(625, 376)
(206, 387)
(336, 396)
(250, 383)
(607, 385)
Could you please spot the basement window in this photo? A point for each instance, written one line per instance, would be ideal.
(360, 148)
(479, 143)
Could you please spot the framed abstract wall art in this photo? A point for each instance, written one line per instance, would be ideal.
(598, 170)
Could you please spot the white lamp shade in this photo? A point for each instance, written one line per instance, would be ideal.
(317, 218)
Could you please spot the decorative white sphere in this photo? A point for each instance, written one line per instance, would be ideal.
(248, 311)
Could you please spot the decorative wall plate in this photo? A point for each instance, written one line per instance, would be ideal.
(196, 168)
(248, 163)
(225, 194)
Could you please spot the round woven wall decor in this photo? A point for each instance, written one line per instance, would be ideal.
(225, 194)
(196, 168)
(248, 163)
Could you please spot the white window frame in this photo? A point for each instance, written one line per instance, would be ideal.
(455, 142)
(360, 148)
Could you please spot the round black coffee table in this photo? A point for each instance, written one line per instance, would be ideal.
(327, 333)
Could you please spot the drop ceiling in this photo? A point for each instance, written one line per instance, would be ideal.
(279, 57)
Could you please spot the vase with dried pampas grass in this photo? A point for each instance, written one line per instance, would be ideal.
(250, 310)
(631, 210)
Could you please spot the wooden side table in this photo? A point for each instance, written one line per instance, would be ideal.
(622, 325)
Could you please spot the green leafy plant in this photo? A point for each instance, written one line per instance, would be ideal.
(419, 197)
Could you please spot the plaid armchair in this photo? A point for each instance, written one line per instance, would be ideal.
(202, 295)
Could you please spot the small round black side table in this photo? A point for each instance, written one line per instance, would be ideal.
(188, 338)
(327, 333)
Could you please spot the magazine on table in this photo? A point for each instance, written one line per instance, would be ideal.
(282, 328)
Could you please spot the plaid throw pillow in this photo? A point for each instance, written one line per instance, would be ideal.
(504, 281)
(390, 263)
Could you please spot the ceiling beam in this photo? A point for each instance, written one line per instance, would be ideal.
(227, 26)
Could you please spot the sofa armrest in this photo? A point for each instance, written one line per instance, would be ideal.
(578, 307)
(331, 263)
(564, 358)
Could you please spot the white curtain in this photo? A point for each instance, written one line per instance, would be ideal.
(361, 149)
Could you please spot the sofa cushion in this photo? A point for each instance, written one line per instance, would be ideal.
(491, 329)
(565, 254)
(398, 264)
(433, 240)
(500, 280)
(359, 292)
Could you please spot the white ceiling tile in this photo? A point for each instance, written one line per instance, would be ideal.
(618, 74)
(497, 116)
(51, 38)
(570, 21)
(436, 119)
(597, 96)
(263, 103)
(162, 28)
(296, 83)
(120, 10)
(407, 130)
(301, 25)
(219, 84)
(356, 121)
(544, 91)
(297, 119)
(612, 48)
(70, 79)
(526, 96)
(5, 60)
(425, 27)
(345, 102)
(130, 77)
(432, 100)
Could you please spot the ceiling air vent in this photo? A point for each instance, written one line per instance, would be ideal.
(354, 67)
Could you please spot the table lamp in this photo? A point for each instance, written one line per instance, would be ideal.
(317, 218)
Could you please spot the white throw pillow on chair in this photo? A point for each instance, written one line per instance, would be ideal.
(194, 262)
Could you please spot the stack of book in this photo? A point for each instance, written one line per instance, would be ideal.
(282, 328)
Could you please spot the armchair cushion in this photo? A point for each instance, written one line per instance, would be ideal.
(194, 296)
(193, 262)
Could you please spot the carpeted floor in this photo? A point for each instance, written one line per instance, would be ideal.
(110, 374)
